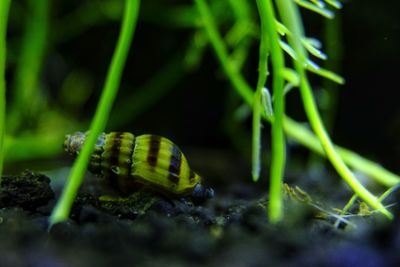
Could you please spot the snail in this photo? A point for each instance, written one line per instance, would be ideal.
(130, 162)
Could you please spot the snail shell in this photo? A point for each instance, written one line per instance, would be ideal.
(150, 160)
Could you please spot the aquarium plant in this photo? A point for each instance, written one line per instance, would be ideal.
(296, 47)
(285, 64)
(62, 209)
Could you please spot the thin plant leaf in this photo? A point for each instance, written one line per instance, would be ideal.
(314, 42)
(312, 7)
(291, 76)
(318, 3)
(267, 104)
(313, 50)
(343, 212)
(330, 75)
(288, 87)
(256, 138)
(312, 66)
(281, 29)
(334, 3)
(388, 192)
(288, 49)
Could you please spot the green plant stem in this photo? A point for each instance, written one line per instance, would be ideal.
(241, 8)
(334, 50)
(256, 135)
(291, 19)
(262, 78)
(278, 158)
(219, 46)
(391, 190)
(62, 209)
(333, 40)
(30, 147)
(4, 8)
(343, 212)
(305, 137)
(26, 99)
(293, 129)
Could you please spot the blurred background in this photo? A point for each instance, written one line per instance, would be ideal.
(59, 52)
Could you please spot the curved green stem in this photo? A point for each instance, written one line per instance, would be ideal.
(305, 137)
(63, 207)
(333, 156)
(220, 49)
(4, 8)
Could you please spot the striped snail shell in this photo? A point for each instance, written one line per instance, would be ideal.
(146, 160)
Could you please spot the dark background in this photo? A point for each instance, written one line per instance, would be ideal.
(369, 112)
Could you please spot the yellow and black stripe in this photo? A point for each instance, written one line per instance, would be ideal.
(175, 164)
(149, 160)
(159, 162)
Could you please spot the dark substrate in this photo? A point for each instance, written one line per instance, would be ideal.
(150, 230)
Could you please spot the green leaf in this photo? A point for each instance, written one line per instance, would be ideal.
(288, 49)
(266, 102)
(291, 76)
(330, 75)
(334, 3)
(281, 29)
(312, 7)
(309, 44)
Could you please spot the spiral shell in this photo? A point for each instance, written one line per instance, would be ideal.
(128, 161)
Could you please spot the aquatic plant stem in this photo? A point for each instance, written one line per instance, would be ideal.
(4, 8)
(334, 49)
(305, 137)
(343, 212)
(63, 207)
(291, 18)
(268, 30)
(262, 78)
(220, 49)
(293, 129)
(26, 96)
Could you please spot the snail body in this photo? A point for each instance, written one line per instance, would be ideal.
(129, 161)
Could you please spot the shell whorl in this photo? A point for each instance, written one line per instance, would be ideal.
(74, 142)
